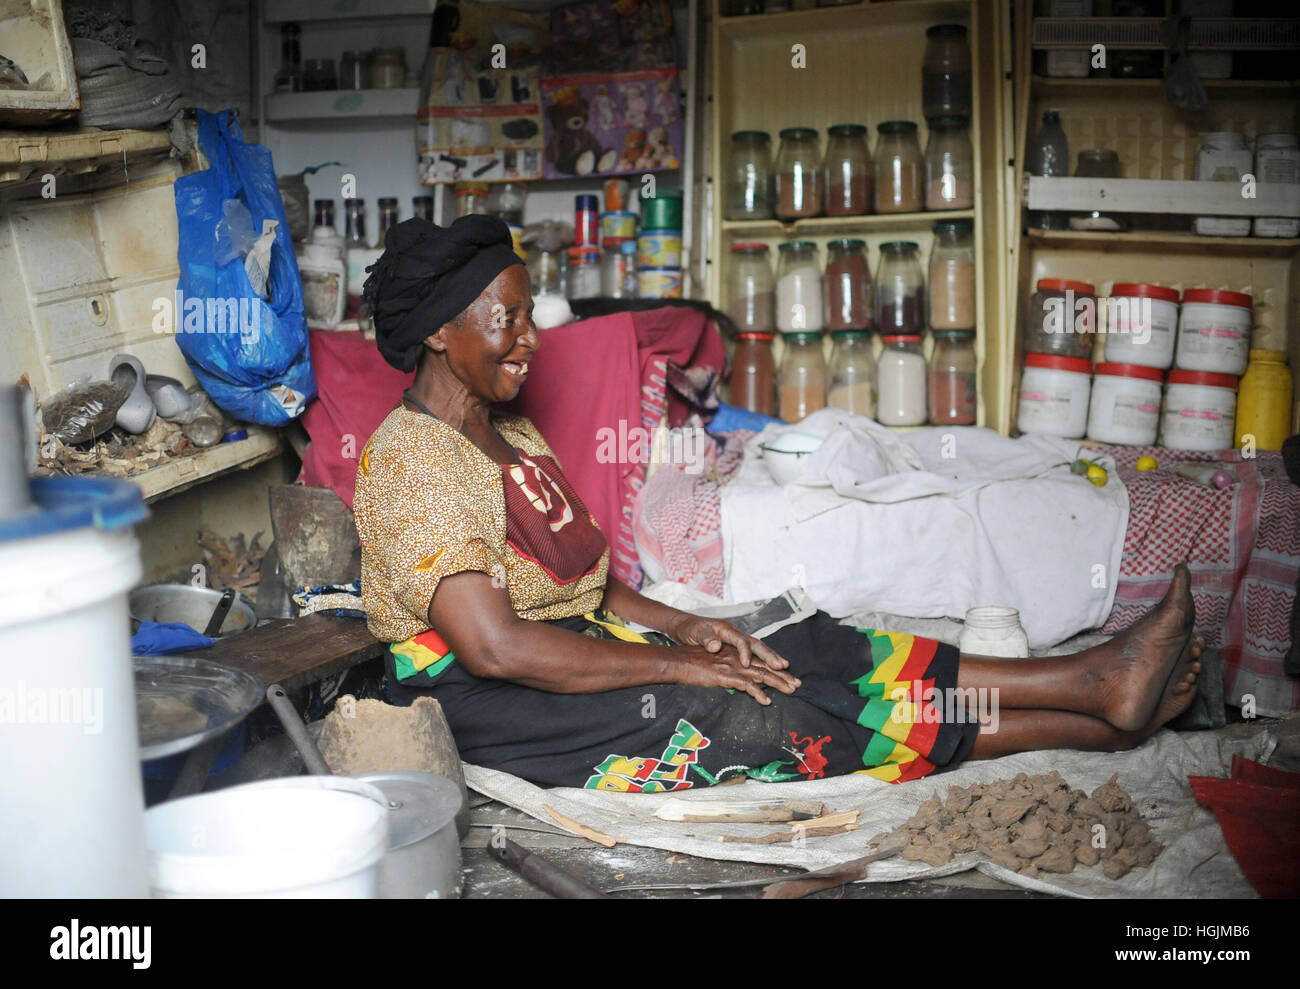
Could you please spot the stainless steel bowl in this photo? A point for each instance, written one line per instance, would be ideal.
(191, 605)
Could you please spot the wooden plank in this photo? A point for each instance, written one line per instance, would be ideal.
(32, 147)
(295, 652)
(1160, 196)
(1164, 242)
(177, 475)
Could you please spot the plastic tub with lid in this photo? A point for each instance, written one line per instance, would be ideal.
(1125, 404)
(1199, 410)
(72, 802)
(1054, 393)
(1214, 331)
(1141, 324)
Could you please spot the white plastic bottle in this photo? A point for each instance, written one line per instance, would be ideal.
(994, 631)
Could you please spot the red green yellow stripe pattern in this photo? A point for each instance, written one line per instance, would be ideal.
(425, 653)
(903, 737)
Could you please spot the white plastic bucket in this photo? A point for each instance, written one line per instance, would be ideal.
(299, 837)
(71, 803)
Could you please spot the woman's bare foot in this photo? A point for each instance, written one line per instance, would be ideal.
(1147, 669)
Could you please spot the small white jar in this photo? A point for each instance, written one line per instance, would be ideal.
(1214, 331)
(994, 631)
(1224, 157)
(1054, 395)
(1200, 411)
(1125, 404)
(1141, 324)
(1277, 162)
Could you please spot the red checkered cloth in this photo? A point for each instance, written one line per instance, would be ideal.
(1242, 545)
(678, 519)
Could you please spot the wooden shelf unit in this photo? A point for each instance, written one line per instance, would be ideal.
(1155, 141)
(863, 66)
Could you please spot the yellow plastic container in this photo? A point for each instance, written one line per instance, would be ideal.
(1264, 400)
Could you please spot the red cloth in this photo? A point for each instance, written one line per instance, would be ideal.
(357, 388)
(1243, 547)
(600, 374)
(1257, 810)
(592, 384)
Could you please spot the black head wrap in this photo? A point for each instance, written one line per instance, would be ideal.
(428, 275)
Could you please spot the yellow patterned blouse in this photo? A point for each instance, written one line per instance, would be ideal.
(429, 503)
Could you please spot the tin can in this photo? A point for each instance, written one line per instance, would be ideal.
(662, 211)
(616, 195)
(659, 249)
(585, 224)
(617, 225)
(659, 283)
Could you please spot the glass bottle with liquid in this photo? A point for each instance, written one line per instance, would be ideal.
(288, 78)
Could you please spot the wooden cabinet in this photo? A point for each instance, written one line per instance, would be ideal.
(1157, 146)
(861, 64)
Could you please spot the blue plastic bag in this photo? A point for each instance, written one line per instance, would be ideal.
(250, 354)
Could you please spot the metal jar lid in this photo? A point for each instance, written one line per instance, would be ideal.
(419, 804)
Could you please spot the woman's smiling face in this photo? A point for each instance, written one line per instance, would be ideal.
(489, 345)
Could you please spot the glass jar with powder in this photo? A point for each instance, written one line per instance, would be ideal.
(751, 290)
(852, 385)
(848, 170)
(803, 377)
(951, 290)
(949, 165)
(749, 177)
(798, 184)
(753, 374)
(946, 72)
(799, 301)
(900, 381)
(848, 286)
(900, 289)
(952, 378)
(899, 168)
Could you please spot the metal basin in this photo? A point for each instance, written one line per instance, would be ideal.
(191, 605)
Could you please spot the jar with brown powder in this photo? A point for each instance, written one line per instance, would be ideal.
(899, 167)
(952, 276)
(799, 191)
(848, 170)
(949, 165)
(847, 286)
(753, 374)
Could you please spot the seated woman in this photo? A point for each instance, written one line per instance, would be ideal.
(484, 569)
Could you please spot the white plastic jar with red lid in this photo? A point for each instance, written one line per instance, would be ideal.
(1200, 411)
(1141, 324)
(1054, 395)
(1125, 404)
(1214, 331)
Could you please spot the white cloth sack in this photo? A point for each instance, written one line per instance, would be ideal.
(928, 524)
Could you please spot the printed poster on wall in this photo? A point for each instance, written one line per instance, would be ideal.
(612, 123)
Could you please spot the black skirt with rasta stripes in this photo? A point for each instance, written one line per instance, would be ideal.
(870, 702)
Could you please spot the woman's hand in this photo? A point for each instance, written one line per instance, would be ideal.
(699, 666)
(714, 633)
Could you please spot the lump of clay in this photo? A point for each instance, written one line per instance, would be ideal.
(1111, 796)
(929, 854)
(1010, 811)
(1057, 859)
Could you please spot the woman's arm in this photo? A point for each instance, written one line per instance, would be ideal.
(476, 620)
(683, 627)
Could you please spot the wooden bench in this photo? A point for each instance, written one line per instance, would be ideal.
(295, 652)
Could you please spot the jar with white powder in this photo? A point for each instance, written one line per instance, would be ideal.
(1214, 331)
(1200, 411)
(1277, 162)
(900, 382)
(1141, 324)
(1054, 394)
(1224, 157)
(994, 631)
(1125, 404)
(799, 301)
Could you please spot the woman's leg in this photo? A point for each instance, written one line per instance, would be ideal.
(1121, 682)
(1027, 730)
